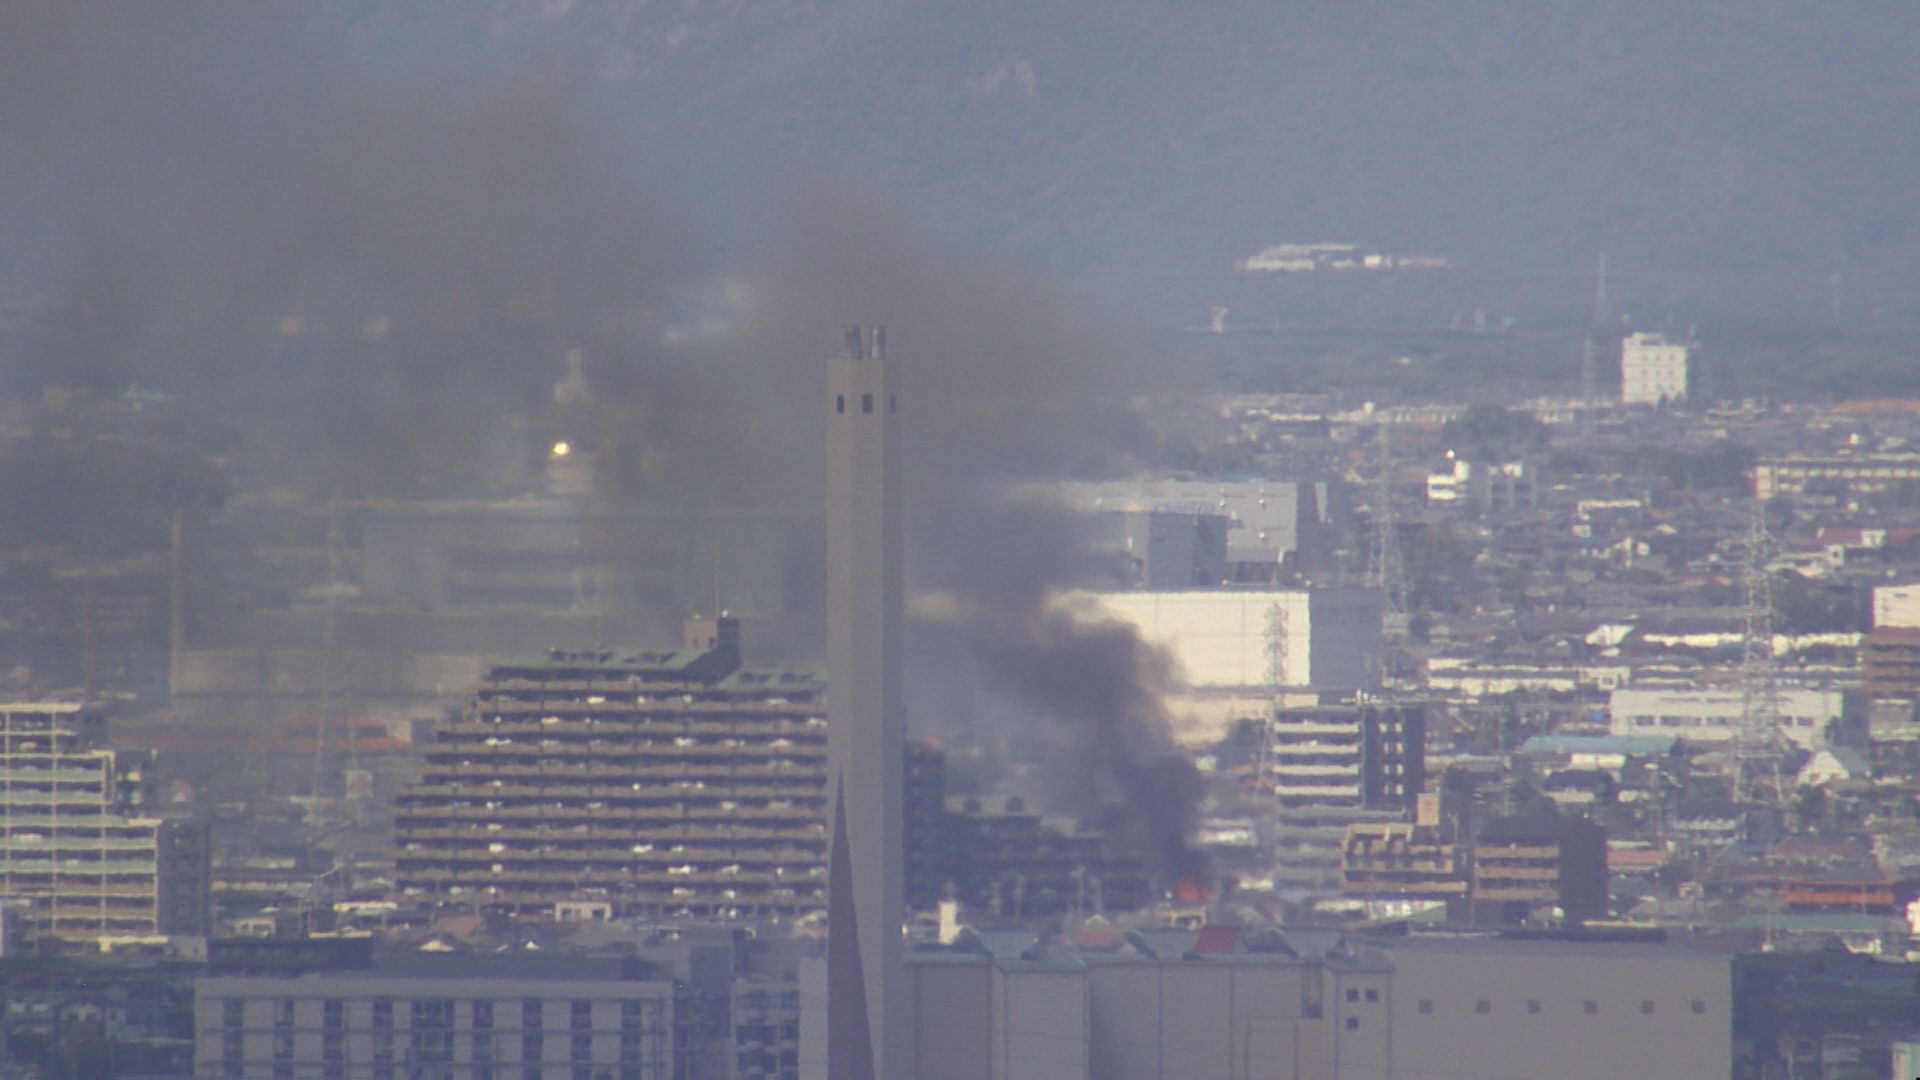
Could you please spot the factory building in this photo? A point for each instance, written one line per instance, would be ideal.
(1226, 639)
(1226, 1004)
(674, 782)
(1278, 525)
(74, 843)
(1713, 716)
(1166, 549)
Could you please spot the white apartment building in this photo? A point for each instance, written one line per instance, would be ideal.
(71, 844)
(1653, 370)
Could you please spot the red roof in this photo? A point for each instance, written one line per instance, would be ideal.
(1217, 939)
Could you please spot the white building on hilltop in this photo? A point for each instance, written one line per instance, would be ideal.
(1653, 370)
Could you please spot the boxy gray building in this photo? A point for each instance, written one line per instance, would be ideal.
(1406, 1008)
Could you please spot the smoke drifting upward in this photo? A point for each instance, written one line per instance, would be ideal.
(1094, 678)
(362, 268)
(1005, 379)
(370, 268)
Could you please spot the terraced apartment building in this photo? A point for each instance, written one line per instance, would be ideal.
(672, 782)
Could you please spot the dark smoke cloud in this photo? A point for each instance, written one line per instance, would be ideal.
(370, 270)
(1099, 689)
(1005, 379)
(362, 269)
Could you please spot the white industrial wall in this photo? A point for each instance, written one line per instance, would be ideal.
(1220, 638)
(1896, 606)
(1713, 716)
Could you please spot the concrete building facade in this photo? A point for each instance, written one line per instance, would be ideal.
(1896, 606)
(1653, 370)
(672, 782)
(1390, 1009)
(1713, 716)
(1224, 639)
(1331, 767)
(1168, 549)
(73, 841)
(443, 1018)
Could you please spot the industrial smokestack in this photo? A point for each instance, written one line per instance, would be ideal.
(868, 1028)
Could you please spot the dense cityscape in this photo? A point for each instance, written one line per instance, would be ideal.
(1385, 544)
(1467, 692)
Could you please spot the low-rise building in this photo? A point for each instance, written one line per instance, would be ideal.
(473, 1017)
(1526, 862)
(1712, 716)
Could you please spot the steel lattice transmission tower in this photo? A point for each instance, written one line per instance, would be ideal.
(1388, 569)
(1757, 745)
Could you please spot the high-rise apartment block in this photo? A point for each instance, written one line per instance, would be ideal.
(73, 841)
(1653, 370)
(673, 782)
(1332, 766)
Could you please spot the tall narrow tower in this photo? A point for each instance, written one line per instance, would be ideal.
(867, 1029)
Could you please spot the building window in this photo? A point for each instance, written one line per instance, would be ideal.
(1533, 1006)
(1483, 1007)
(1592, 1008)
(1426, 1006)
(1353, 1023)
(840, 403)
(533, 1039)
(1699, 1007)
(1373, 995)
(1646, 1008)
(1353, 995)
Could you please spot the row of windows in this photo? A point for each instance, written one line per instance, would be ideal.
(435, 1013)
(866, 403)
(1589, 1007)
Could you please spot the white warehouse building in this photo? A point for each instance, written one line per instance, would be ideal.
(1241, 639)
(1713, 716)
